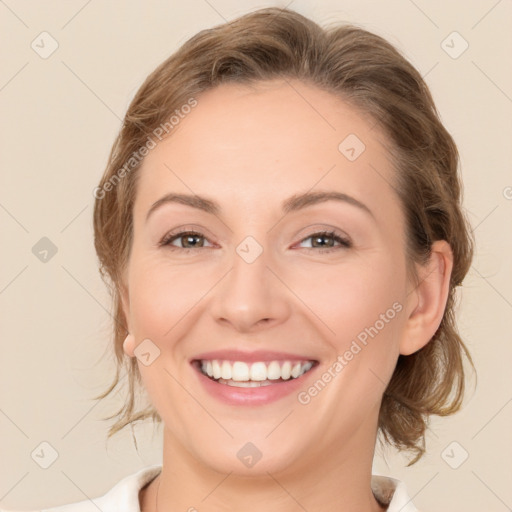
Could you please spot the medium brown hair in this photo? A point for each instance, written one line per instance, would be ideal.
(365, 70)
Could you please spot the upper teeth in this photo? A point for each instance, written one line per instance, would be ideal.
(259, 371)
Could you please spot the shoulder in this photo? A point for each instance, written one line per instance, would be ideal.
(123, 496)
(393, 493)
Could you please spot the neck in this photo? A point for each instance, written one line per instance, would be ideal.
(337, 482)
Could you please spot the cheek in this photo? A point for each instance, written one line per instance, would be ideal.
(150, 309)
(352, 296)
(162, 294)
(161, 298)
(361, 305)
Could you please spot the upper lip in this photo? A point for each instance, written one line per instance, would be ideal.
(250, 357)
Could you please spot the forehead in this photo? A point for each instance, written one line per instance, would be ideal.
(249, 144)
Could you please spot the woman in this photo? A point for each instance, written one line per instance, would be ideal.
(280, 222)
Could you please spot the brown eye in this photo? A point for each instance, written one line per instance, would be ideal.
(188, 240)
(317, 241)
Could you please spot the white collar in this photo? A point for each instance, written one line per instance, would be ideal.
(392, 492)
(125, 494)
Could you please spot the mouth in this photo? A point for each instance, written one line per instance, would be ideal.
(242, 374)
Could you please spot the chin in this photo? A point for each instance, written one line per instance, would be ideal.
(249, 458)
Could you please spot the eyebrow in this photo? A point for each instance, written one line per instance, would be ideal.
(292, 204)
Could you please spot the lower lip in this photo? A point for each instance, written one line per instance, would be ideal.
(251, 396)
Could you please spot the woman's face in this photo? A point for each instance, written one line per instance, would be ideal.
(270, 272)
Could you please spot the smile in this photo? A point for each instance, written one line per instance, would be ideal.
(256, 374)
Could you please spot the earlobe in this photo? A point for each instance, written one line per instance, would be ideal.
(129, 345)
(428, 299)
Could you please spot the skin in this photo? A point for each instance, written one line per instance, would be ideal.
(249, 149)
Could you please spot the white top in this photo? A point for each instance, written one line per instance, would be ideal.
(125, 495)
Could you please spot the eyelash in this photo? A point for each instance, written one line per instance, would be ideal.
(344, 243)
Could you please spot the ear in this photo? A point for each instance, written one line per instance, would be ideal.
(129, 342)
(427, 301)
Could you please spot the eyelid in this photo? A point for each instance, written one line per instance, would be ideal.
(326, 230)
(182, 230)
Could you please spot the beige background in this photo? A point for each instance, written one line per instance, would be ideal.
(59, 118)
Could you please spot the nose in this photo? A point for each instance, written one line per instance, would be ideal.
(251, 296)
